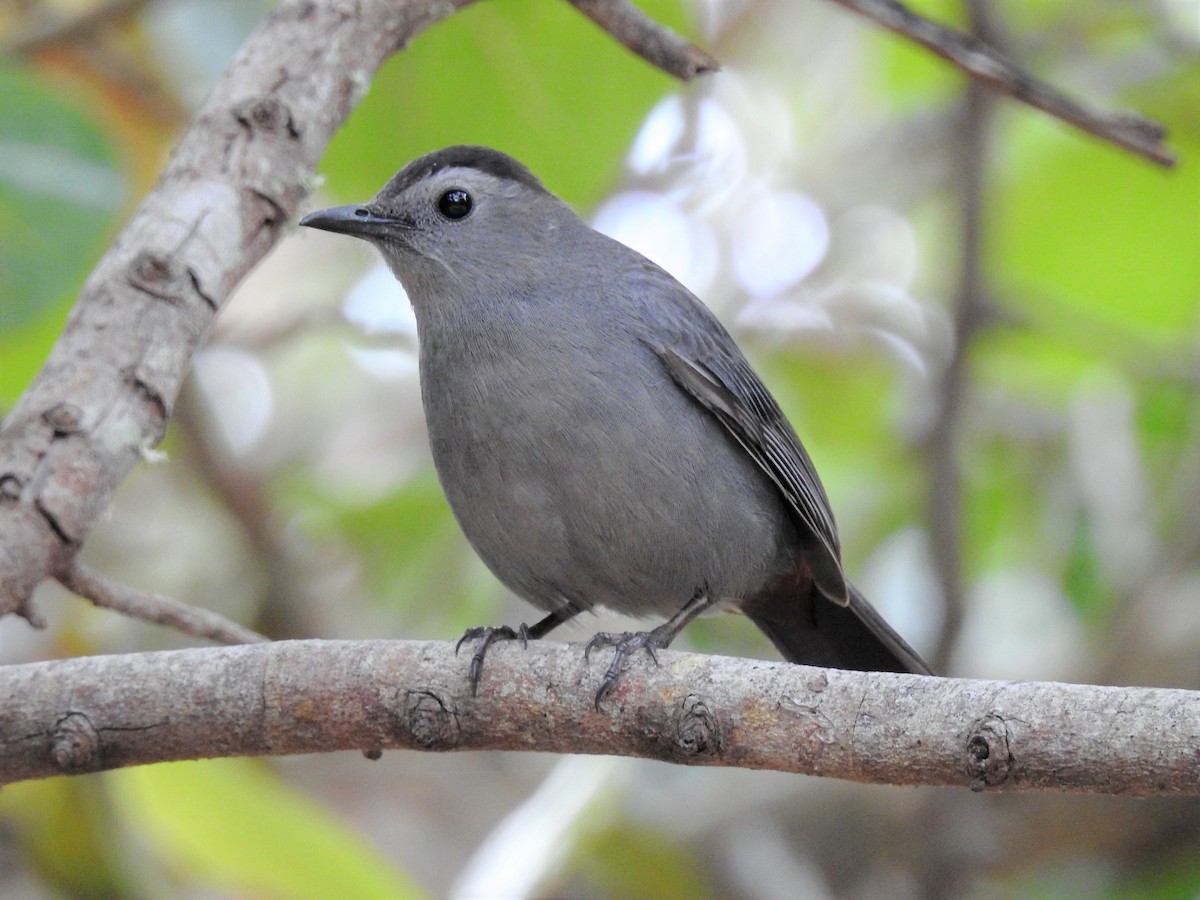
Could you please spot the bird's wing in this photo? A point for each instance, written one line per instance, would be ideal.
(721, 380)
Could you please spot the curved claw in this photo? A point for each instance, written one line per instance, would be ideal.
(488, 635)
(623, 643)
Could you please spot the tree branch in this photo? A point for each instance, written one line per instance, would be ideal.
(105, 394)
(1128, 130)
(943, 442)
(104, 712)
(107, 390)
(155, 608)
(657, 45)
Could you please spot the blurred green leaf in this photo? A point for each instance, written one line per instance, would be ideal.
(844, 409)
(1034, 365)
(63, 828)
(842, 398)
(404, 538)
(410, 549)
(1173, 99)
(533, 79)
(24, 349)
(59, 189)
(400, 525)
(1177, 879)
(910, 77)
(635, 863)
(234, 822)
(1084, 233)
(1075, 879)
(1082, 579)
(1168, 420)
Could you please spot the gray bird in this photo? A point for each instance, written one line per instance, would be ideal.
(600, 437)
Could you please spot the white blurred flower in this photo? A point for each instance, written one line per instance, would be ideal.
(784, 317)
(377, 303)
(777, 239)
(873, 243)
(237, 395)
(656, 227)
(733, 211)
(659, 137)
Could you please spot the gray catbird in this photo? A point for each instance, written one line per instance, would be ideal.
(599, 435)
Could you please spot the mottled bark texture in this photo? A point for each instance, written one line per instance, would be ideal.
(105, 394)
(103, 712)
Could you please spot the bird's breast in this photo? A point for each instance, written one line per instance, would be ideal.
(581, 473)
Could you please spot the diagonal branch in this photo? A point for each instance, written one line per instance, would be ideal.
(104, 712)
(659, 46)
(104, 396)
(943, 443)
(1129, 130)
(156, 608)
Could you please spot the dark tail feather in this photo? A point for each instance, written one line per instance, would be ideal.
(845, 637)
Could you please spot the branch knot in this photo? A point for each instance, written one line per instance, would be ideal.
(75, 746)
(65, 418)
(988, 756)
(698, 731)
(10, 487)
(268, 115)
(153, 274)
(430, 722)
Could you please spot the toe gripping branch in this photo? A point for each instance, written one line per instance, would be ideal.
(628, 642)
(488, 635)
(623, 643)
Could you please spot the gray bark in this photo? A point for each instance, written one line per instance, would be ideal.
(103, 712)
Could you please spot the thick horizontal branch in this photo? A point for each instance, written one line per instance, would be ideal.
(1124, 129)
(104, 712)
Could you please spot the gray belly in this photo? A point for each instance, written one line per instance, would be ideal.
(581, 488)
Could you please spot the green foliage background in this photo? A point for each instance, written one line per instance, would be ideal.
(1093, 269)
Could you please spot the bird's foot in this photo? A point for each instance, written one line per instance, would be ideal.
(488, 635)
(623, 644)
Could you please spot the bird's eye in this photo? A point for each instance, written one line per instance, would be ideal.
(455, 203)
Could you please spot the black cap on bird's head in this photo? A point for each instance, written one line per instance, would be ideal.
(460, 215)
(377, 218)
(462, 156)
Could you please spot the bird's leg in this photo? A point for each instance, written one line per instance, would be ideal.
(489, 634)
(625, 643)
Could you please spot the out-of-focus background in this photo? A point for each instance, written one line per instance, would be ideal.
(836, 196)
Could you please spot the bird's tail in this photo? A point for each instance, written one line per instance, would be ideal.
(845, 637)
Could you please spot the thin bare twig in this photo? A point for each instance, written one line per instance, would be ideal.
(970, 309)
(284, 606)
(155, 608)
(1128, 130)
(653, 42)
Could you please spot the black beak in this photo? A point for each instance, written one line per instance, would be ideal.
(357, 221)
